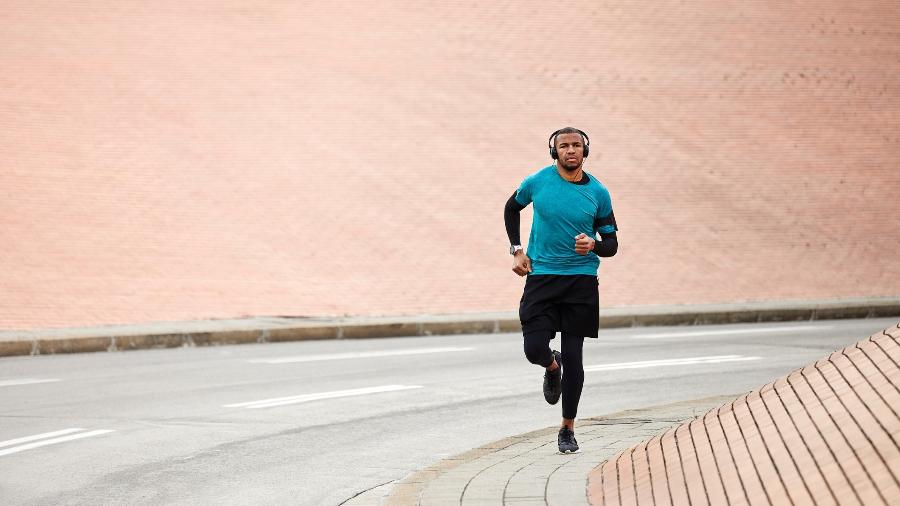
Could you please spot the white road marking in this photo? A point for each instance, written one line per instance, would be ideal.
(697, 333)
(361, 354)
(46, 442)
(669, 362)
(25, 381)
(296, 399)
(45, 435)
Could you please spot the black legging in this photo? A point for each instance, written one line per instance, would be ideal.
(537, 350)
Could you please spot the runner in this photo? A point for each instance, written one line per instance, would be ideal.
(570, 208)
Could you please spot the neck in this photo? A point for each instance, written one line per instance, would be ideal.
(572, 176)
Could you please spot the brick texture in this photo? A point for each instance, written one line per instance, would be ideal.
(178, 160)
(828, 433)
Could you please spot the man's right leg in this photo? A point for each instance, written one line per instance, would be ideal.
(537, 351)
(537, 347)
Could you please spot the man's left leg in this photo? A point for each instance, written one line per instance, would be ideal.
(572, 384)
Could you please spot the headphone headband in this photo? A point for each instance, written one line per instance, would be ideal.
(551, 142)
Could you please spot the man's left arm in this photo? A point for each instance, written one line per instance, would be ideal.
(604, 225)
(605, 247)
(608, 243)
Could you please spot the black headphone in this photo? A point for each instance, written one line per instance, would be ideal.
(552, 143)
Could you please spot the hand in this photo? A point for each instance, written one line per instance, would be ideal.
(521, 263)
(584, 244)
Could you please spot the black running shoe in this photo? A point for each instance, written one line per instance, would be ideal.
(566, 441)
(553, 381)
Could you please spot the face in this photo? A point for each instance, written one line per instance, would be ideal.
(570, 148)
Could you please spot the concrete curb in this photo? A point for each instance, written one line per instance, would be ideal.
(280, 329)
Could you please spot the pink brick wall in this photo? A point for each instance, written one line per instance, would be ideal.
(180, 160)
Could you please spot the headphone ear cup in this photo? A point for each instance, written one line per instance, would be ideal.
(587, 149)
(551, 143)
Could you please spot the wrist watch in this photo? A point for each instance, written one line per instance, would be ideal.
(514, 248)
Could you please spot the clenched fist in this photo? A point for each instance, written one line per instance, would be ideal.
(521, 263)
(584, 244)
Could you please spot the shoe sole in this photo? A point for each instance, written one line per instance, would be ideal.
(554, 401)
(563, 452)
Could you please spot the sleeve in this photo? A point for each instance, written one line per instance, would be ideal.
(524, 193)
(605, 220)
(511, 219)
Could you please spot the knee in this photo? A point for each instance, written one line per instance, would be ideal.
(572, 362)
(533, 352)
(573, 370)
(537, 351)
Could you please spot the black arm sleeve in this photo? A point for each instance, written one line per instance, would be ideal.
(609, 219)
(607, 246)
(511, 219)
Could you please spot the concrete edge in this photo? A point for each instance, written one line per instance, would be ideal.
(206, 333)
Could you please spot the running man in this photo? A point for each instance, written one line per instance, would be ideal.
(570, 208)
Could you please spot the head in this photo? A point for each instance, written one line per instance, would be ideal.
(569, 147)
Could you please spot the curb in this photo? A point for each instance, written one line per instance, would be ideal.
(282, 329)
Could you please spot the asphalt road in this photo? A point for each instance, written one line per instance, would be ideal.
(318, 422)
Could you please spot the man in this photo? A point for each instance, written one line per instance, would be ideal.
(570, 208)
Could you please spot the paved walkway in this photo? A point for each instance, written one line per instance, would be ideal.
(528, 469)
(828, 433)
(824, 434)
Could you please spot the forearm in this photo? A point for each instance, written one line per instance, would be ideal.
(607, 246)
(511, 220)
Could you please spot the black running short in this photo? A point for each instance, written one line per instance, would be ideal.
(560, 303)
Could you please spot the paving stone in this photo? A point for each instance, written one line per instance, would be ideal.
(823, 434)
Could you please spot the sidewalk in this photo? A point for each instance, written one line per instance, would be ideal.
(824, 434)
(277, 329)
(528, 469)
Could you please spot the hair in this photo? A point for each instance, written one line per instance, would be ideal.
(568, 130)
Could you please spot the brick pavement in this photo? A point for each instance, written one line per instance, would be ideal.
(170, 160)
(828, 433)
(824, 434)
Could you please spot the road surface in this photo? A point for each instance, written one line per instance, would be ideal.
(317, 422)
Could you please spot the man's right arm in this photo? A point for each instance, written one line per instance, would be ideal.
(521, 262)
(511, 219)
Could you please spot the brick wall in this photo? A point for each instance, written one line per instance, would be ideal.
(179, 160)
